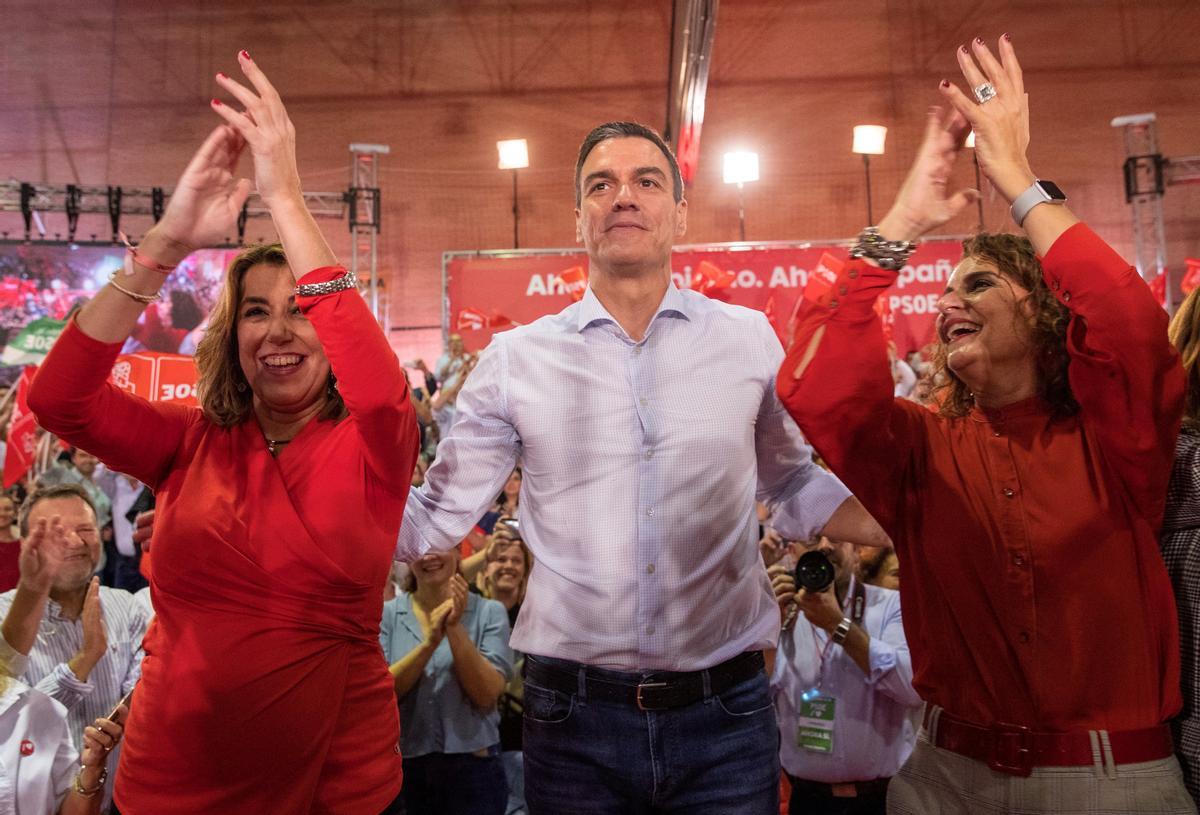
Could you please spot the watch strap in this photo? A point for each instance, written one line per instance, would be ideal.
(1024, 203)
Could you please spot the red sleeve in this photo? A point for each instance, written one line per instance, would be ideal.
(844, 401)
(72, 398)
(369, 378)
(1124, 372)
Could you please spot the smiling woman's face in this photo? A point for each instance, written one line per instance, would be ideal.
(278, 348)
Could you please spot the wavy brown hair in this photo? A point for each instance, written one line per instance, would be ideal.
(222, 389)
(1016, 261)
(1184, 333)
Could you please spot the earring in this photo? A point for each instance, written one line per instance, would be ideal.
(331, 385)
(241, 386)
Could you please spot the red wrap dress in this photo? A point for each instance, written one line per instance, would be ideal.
(264, 688)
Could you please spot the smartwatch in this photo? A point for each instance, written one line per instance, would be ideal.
(1040, 192)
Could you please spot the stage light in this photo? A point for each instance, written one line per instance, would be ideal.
(868, 141)
(514, 154)
(741, 166)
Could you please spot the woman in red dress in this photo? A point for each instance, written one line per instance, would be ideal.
(264, 688)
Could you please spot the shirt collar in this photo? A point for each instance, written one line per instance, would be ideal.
(592, 311)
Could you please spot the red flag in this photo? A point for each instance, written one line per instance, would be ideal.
(470, 319)
(574, 281)
(1191, 278)
(498, 320)
(883, 308)
(711, 280)
(1158, 287)
(22, 433)
(822, 278)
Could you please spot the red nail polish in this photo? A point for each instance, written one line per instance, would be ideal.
(1008, 37)
(221, 75)
(244, 54)
(979, 40)
(216, 103)
(945, 83)
(962, 48)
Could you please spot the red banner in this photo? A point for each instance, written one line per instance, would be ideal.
(22, 433)
(527, 286)
(157, 377)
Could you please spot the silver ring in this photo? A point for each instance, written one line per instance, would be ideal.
(984, 92)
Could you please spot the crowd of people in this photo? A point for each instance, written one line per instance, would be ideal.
(627, 583)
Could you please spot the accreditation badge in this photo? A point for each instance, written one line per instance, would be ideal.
(815, 732)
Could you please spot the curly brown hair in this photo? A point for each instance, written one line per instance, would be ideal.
(1184, 334)
(1015, 259)
(222, 388)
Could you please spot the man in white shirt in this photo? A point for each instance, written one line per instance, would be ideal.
(842, 684)
(647, 423)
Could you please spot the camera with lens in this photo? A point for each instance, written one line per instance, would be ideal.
(814, 571)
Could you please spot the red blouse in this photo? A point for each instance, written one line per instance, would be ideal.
(1033, 589)
(264, 687)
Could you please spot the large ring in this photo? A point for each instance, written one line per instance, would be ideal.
(984, 92)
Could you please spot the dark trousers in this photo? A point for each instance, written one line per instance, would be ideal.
(817, 799)
(452, 784)
(718, 756)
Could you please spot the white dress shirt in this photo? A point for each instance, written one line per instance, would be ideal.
(876, 715)
(642, 462)
(37, 759)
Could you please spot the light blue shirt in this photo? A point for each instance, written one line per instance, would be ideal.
(435, 715)
(876, 715)
(642, 462)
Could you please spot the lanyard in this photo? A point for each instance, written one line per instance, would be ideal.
(858, 603)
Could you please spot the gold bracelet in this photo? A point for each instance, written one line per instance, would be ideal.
(146, 299)
(77, 784)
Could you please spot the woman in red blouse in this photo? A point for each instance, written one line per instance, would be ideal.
(1025, 506)
(264, 688)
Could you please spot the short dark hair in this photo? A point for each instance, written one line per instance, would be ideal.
(625, 130)
(48, 493)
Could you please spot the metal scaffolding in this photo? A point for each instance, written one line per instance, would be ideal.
(359, 205)
(1147, 175)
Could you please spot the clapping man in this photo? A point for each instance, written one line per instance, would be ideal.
(63, 633)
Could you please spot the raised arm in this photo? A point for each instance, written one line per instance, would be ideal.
(1124, 372)
(369, 377)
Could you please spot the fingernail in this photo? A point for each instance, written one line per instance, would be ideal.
(1008, 37)
(216, 103)
(244, 54)
(979, 40)
(945, 83)
(962, 48)
(221, 75)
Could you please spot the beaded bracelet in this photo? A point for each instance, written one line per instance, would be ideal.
(146, 299)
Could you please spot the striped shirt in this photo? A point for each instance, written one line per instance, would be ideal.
(642, 462)
(59, 639)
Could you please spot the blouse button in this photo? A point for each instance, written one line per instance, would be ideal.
(852, 274)
(1024, 636)
(1008, 493)
(842, 289)
(1019, 560)
(1066, 296)
(833, 303)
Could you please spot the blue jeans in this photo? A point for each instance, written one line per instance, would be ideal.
(718, 756)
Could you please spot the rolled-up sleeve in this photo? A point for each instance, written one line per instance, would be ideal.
(890, 661)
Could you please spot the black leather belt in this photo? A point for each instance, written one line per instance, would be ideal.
(647, 691)
(851, 789)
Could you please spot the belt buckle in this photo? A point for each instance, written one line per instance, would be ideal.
(643, 686)
(1011, 760)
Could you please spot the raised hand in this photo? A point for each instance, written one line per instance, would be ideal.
(41, 555)
(924, 203)
(437, 622)
(458, 593)
(783, 583)
(206, 202)
(95, 638)
(266, 128)
(1001, 123)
